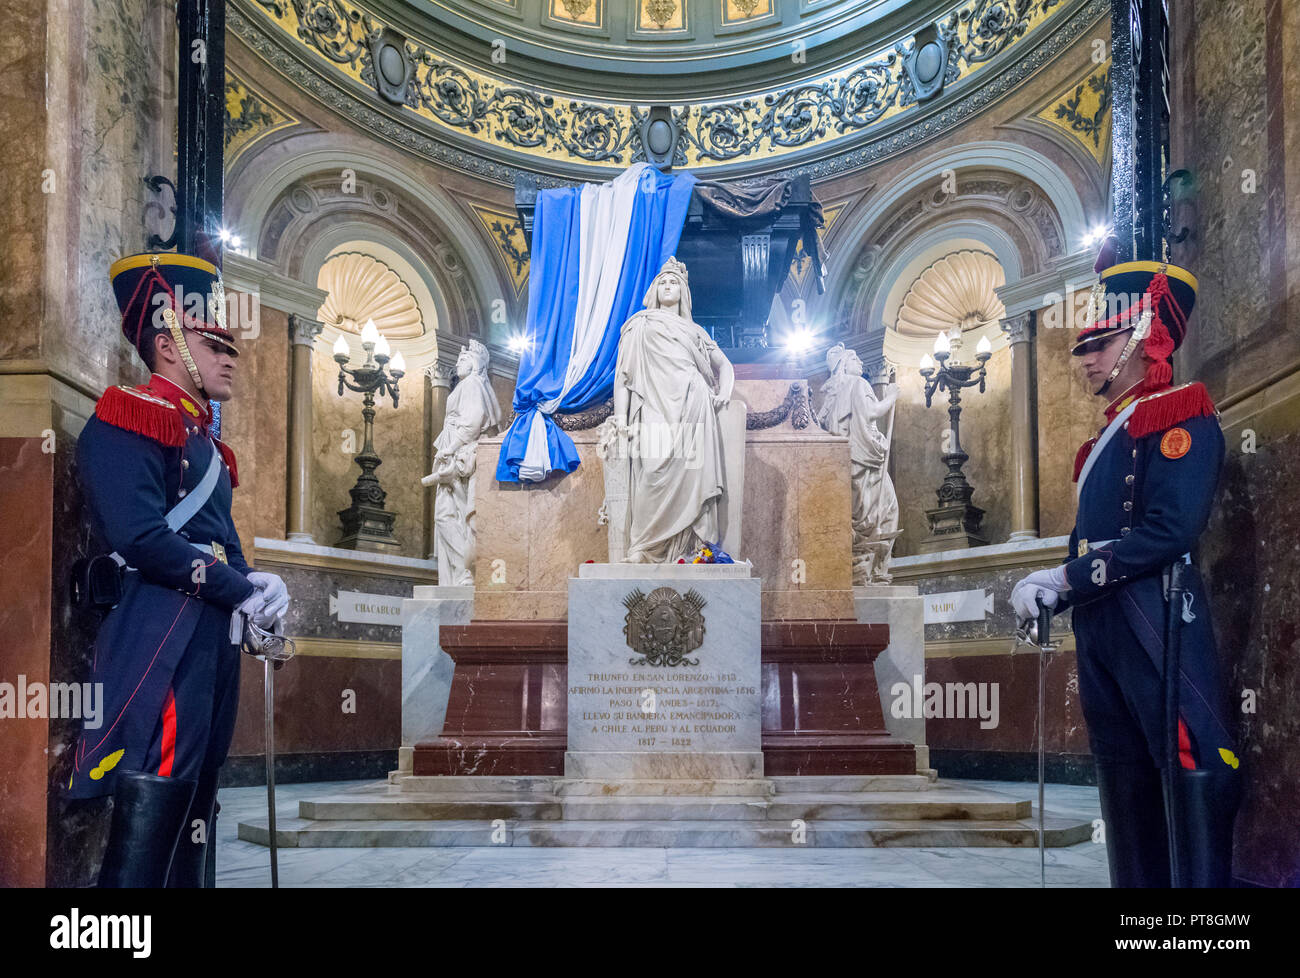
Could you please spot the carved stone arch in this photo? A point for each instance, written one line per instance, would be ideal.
(1055, 200)
(409, 202)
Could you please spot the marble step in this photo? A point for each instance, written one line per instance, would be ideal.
(819, 783)
(472, 805)
(746, 787)
(464, 784)
(306, 833)
(947, 803)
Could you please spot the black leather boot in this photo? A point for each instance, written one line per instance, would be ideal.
(1207, 806)
(148, 815)
(1133, 809)
(189, 865)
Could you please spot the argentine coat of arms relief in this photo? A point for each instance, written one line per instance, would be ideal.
(664, 627)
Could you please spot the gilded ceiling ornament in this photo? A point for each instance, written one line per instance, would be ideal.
(664, 626)
(360, 288)
(576, 8)
(660, 11)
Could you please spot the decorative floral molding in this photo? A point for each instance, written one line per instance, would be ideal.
(249, 116)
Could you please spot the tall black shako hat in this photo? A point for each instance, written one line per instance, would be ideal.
(156, 292)
(1151, 301)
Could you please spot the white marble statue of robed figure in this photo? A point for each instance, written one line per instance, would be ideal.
(472, 411)
(850, 408)
(674, 449)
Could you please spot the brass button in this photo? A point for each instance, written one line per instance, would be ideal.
(1128, 505)
(180, 494)
(185, 464)
(1123, 531)
(1128, 480)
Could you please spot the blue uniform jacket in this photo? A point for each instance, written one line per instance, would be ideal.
(144, 448)
(1145, 497)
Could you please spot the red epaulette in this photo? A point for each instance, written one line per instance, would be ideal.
(228, 456)
(135, 409)
(1163, 410)
(1081, 457)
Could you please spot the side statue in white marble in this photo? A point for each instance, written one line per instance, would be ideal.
(673, 451)
(850, 408)
(472, 411)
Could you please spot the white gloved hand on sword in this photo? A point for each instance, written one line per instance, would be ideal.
(1049, 585)
(275, 599)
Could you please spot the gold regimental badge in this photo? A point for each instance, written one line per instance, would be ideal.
(664, 627)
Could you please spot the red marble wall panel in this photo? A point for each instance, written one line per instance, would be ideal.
(27, 475)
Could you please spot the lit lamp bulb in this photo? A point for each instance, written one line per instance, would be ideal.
(382, 350)
(941, 346)
(369, 333)
(983, 349)
(398, 366)
(341, 351)
(927, 364)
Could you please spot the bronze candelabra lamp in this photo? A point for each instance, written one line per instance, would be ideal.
(954, 523)
(367, 525)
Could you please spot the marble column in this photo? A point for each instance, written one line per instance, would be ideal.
(1020, 330)
(302, 334)
(437, 387)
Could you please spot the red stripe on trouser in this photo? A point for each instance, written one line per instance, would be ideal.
(1185, 758)
(168, 735)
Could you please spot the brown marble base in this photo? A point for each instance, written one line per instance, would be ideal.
(821, 706)
(508, 709)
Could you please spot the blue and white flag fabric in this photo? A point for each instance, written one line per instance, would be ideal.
(595, 251)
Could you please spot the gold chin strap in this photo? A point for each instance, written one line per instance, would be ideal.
(1139, 333)
(178, 337)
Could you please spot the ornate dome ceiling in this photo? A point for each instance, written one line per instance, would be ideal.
(565, 89)
(681, 49)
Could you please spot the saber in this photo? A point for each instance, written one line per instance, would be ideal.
(1038, 633)
(269, 683)
(1045, 649)
(272, 648)
(1173, 673)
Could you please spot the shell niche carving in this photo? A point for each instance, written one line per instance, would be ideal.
(957, 290)
(361, 287)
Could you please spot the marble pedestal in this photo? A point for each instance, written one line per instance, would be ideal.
(903, 660)
(631, 720)
(426, 668)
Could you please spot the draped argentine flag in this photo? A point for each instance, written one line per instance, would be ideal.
(595, 251)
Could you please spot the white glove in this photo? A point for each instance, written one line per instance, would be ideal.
(1048, 585)
(254, 604)
(275, 597)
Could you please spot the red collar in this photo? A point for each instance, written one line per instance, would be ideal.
(1140, 389)
(195, 409)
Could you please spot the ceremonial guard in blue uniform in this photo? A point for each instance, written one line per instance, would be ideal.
(1145, 488)
(158, 485)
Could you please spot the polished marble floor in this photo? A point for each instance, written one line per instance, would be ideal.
(245, 864)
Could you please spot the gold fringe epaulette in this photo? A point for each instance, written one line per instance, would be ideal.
(135, 409)
(1164, 409)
